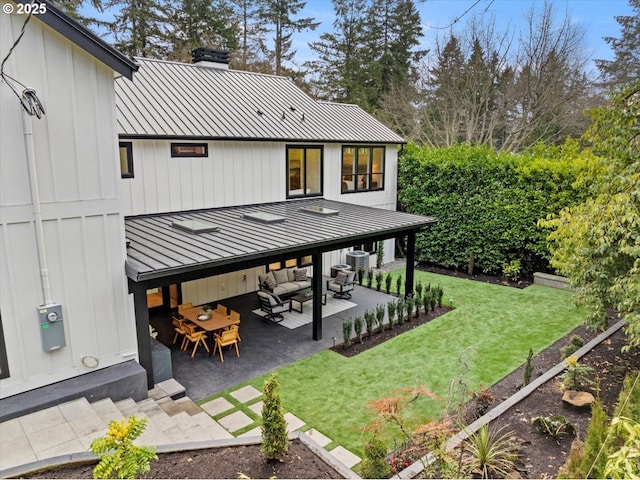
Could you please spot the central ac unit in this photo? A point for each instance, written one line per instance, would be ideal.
(358, 260)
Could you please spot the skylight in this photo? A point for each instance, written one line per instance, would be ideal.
(195, 226)
(318, 210)
(263, 217)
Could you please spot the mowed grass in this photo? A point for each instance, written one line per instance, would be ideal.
(493, 326)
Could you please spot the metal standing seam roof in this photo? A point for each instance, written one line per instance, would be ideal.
(182, 100)
(156, 249)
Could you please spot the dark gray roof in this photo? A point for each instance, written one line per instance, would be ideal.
(86, 39)
(181, 100)
(156, 249)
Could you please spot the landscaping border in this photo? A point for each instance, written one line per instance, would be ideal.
(418, 466)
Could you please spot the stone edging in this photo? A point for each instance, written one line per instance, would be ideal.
(88, 457)
(414, 469)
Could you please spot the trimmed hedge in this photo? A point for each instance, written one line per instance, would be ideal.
(488, 203)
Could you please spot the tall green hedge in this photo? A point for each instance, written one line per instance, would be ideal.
(487, 203)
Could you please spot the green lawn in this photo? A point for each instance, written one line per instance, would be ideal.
(495, 325)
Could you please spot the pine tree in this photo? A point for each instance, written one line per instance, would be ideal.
(275, 441)
(625, 67)
(278, 17)
(201, 23)
(252, 33)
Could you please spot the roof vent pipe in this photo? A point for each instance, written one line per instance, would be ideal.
(209, 57)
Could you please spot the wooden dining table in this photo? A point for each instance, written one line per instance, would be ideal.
(216, 322)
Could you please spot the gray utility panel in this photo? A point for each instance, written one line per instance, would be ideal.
(51, 327)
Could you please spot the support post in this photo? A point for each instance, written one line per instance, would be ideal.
(316, 285)
(411, 260)
(142, 329)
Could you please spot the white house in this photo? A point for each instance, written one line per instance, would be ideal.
(197, 136)
(65, 311)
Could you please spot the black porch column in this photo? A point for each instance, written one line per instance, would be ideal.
(411, 260)
(316, 285)
(142, 329)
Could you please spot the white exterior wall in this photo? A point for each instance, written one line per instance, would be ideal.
(236, 173)
(76, 161)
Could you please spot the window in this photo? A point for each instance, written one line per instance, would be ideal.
(189, 150)
(362, 168)
(126, 159)
(4, 364)
(304, 171)
(291, 262)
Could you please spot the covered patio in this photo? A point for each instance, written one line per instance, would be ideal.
(216, 241)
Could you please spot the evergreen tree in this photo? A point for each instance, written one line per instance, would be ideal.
(278, 15)
(625, 67)
(252, 35)
(275, 441)
(201, 23)
(72, 9)
(140, 27)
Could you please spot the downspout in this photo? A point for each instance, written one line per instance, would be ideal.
(37, 208)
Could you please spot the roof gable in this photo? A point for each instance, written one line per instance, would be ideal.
(86, 40)
(180, 100)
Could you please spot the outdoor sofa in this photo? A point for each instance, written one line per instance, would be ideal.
(286, 281)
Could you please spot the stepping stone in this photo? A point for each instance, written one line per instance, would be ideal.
(318, 437)
(41, 420)
(257, 408)
(245, 394)
(216, 406)
(254, 432)
(578, 399)
(235, 421)
(345, 456)
(293, 422)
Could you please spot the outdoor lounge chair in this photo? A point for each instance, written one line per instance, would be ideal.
(273, 306)
(342, 285)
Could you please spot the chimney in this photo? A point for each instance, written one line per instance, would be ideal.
(210, 58)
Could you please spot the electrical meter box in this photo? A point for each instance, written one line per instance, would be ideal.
(51, 327)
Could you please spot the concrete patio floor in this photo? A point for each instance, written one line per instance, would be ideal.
(264, 346)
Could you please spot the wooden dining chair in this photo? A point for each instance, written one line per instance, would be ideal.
(222, 310)
(179, 329)
(184, 306)
(195, 335)
(235, 318)
(226, 338)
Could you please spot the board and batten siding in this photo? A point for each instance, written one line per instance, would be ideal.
(75, 148)
(236, 173)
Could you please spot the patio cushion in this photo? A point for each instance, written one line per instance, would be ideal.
(281, 276)
(300, 275)
(291, 274)
(341, 278)
(269, 281)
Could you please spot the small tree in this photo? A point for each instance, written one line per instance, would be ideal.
(439, 294)
(275, 441)
(387, 282)
(575, 374)
(391, 311)
(379, 277)
(370, 276)
(379, 254)
(408, 303)
(528, 369)
(125, 459)
(400, 310)
(370, 322)
(418, 302)
(374, 464)
(419, 289)
(398, 284)
(361, 274)
(347, 327)
(358, 325)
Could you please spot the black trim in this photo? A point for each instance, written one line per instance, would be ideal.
(127, 136)
(176, 154)
(355, 174)
(129, 149)
(86, 40)
(4, 362)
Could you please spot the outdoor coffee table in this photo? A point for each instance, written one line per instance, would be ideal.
(301, 298)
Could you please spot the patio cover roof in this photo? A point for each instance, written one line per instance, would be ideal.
(157, 250)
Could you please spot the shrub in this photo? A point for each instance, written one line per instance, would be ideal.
(400, 304)
(512, 270)
(419, 289)
(380, 317)
(391, 312)
(347, 327)
(124, 460)
(361, 274)
(554, 425)
(370, 277)
(418, 302)
(370, 322)
(399, 284)
(482, 401)
(439, 294)
(373, 464)
(493, 452)
(528, 369)
(575, 375)
(379, 253)
(387, 282)
(379, 278)
(275, 440)
(575, 343)
(433, 299)
(408, 304)
(358, 325)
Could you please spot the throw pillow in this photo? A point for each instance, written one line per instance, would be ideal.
(301, 275)
(281, 276)
(341, 278)
(269, 281)
(291, 274)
